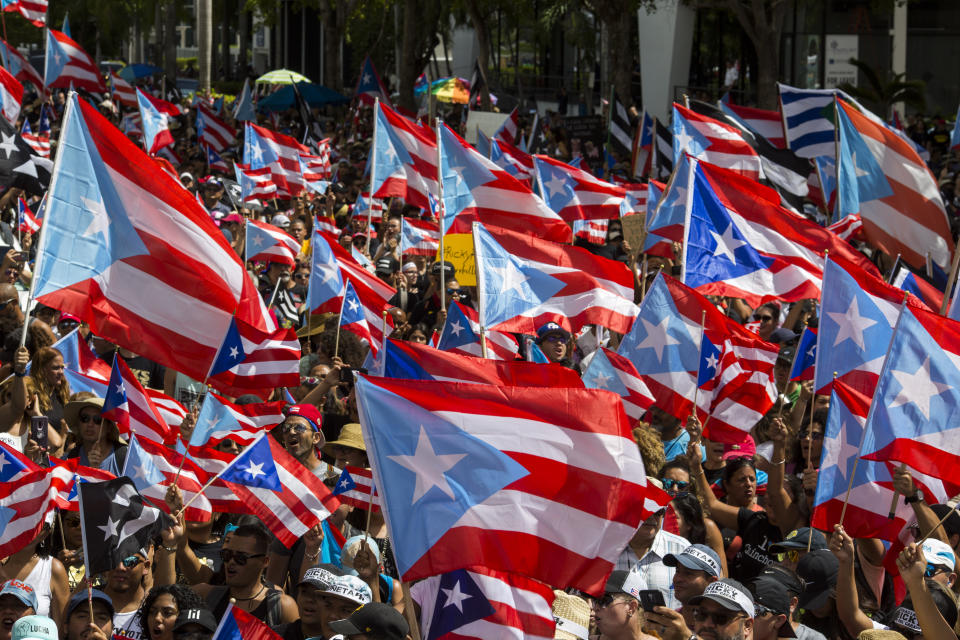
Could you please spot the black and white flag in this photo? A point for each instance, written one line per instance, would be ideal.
(621, 138)
(115, 522)
(19, 166)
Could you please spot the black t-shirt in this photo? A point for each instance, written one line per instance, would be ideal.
(208, 553)
(148, 373)
(293, 631)
(756, 534)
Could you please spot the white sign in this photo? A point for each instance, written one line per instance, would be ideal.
(487, 121)
(837, 68)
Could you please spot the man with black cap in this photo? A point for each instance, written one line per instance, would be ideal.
(696, 568)
(794, 586)
(772, 607)
(373, 621)
(194, 624)
(724, 611)
(797, 544)
(819, 570)
(554, 342)
(77, 624)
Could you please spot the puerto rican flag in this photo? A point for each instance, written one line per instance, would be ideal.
(219, 420)
(253, 361)
(611, 371)
(593, 231)
(128, 405)
(405, 155)
(39, 143)
(575, 194)
(805, 358)
(517, 163)
(713, 141)
(353, 318)
(162, 105)
(11, 96)
(768, 124)
(478, 603)
(28, 223)
(266, 148)
(156, 131)
(169, 409)
(355, 487)
(267, 243)
(850, 228)
(33, 10)
(508, 130)
(519, 517)
(66, 474)
(212, 131)
(68, 65)
(154, 467)
(124, 93)
(25, 505)
(21, 69)
(255, 184)
(665, 347)
(369, 85)
(215, 162)
(461, 334)
(419, 237)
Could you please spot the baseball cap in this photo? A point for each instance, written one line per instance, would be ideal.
(350, 588)
(952, 523)
(698, 557)
(905, 618)
(938, 552)
(231, 217)
(387, 265)
(773, 596)
(744, 448)
(551, 327)
(799, 539)
(321, 577)
(729, 594)
(309, 413)
(202, 617)
(818, 570)
(22, 591)
(280, 220)
(34, 628)
(623, 581)
(374, 619)
(80, 598)
(786, 353)
(787, 577)
(449, 271)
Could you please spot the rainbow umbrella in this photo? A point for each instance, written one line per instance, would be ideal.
(455, 90)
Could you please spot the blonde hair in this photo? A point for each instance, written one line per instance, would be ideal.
(43, 357)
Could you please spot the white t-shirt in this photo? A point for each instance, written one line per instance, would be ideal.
(126, 626)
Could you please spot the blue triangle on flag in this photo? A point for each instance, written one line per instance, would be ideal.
(460, 601)
(600, 374)
(231, 351)
(345, 483)
(255, 467)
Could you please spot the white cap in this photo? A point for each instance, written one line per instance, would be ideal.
(938, 552)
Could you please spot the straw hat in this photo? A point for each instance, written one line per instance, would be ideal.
(350, 436)
(71, 412)
(572, 615)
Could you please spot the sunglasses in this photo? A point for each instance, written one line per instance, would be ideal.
(763, 318)
(238, 557)
(131, 561)
(670, 484)
(793, 555)
(95, 419)
(294, 428)
(720, 618)
(302, 276)
(554, 338)
(607, 600)
(933, 570)
(6, 302)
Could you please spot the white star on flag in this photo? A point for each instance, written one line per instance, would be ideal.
(456, 328)
(512, 277)
(555, 186)
(852, 324)
(602, 380)
(234, 353)
(917, 388)
(8, 146)
(255, 470)
(3, 461)
(428, 466)
(109, 529)
(657, 337)
(841, 450)
(455, 597)
(726, 243)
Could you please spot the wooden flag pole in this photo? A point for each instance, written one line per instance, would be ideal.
(442, 211)
(696, 388)
(793, 363)
(951, 280)
(373, 172)
(937, 526)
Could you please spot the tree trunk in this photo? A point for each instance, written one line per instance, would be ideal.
(408, 55)
(479, 22)
(243, 52)
(204, 41)
(768, 72)
(762, 20)
(170, 39)
(616, 17)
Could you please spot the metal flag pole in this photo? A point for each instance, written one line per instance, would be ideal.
(442, 210)
(373, 171)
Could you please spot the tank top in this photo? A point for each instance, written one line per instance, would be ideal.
(39, 578)
(126, 626)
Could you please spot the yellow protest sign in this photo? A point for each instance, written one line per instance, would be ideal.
(458, 251)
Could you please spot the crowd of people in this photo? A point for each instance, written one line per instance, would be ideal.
(732, 556)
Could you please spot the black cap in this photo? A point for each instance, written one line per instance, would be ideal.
(551, 327)
(449, 271)
(788, 577)
(81, 598)
(387, 265)
(773, 595)
(202, 617)
(818, 570)
(952, 524)
(800, 539)
(374, 619)
(786, 354)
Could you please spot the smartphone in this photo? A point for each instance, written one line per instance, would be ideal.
(650, 598)
(38, 430)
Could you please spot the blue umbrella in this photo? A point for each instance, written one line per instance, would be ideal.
(316, 96)
(138, 70)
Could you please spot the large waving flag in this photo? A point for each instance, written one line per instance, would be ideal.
(713, 141)
(21, 69)
(11, 96)
(283, 493)
(881, 177)
(412, 361)
(266, 148)
(212, 131)
(917, 395)
(68, 65)
(250, 360)
(742, 243)
(154, 468)
(575, 194)
(219, 420)
(156, 131)
(405, 156)
(611, 371)
(475, 189)
(127, 404)
(462, 485)
(419, 237)
(129, 251)
(461, 334)
(478, 603)
(25, 505)
(267, 243)
(525, 282)
(665, 347)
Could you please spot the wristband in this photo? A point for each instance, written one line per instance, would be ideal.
(172, 549)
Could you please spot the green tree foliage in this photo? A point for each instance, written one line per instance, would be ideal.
(880, 94)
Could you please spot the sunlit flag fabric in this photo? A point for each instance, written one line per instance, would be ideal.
(266, 148)
(764, 122)
(243, 106)
(215, 162)
(478, 603)
(461, 334)
(575, 194)
(116, 523)
(129, 251)
(642, 152)
(255, 184)
(419, 237)
(463, 483)
(517, 163)
(127, 404)
(508, 130)
(68, 65)
(593, 231)
(872, 488)
(905, 278)
(411, 361)
(26, 221)
(611, 371)
(740, 242)
(355, 486)
(283, 493)
(250, 360)
(153, 468)
(33, 10)
(67, 475)
(881, 177)
(238, 624)
(475, 189)
(369, 86)
(353, 318)
(212, 131)
(664, 346)
(715, 142)
(267, 243)
(850, 227)
(806, 356)
(917, 393)
(24, 507)
(219, 420)
(21, 69)
(39, 143)
(13, 463)
(406, 158)
(665, 222)
(11, 96)
(808, 132)
(525, 282)
(156, 132)
(123, 92)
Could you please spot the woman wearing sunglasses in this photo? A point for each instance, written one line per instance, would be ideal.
(93, 439)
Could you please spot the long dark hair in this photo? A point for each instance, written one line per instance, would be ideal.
(185, 597)
(688, 507)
